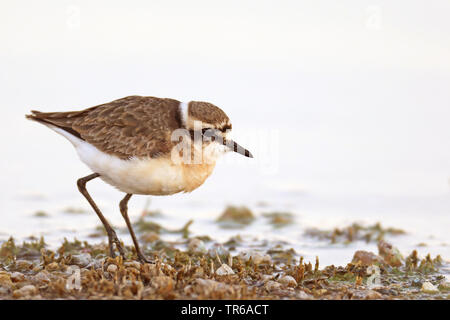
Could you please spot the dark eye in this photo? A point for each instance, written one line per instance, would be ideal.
(225, 128)
(205, 129)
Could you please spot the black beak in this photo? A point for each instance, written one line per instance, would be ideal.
(230, 144)
(234, 146)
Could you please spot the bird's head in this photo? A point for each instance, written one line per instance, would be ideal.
(209, 121)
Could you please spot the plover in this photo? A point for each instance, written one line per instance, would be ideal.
(144, 145)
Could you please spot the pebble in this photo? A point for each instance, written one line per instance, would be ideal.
(257, 257)
(5, 280)
(288, 281)
(197, 245)
(133, 264)
(42, 276)
(162, 283)
(3, 291)
(368, 294)
(112, 268)
(95, 263)
(302, 295)
(372, 294)
(207, 286)
(17, 277)
(428, 287)
(224, 270)
(266, 277)
(218, 250)
(366, 258)
(208, 283)
(53, 266)
(272, 285)
(444, 284)
(25, 291)
(81, 260)
(390, 254)
(416, 282)
(24, 265)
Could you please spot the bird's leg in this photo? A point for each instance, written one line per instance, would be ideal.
(124, 211)
(112, 236)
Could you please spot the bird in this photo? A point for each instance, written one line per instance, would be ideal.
(144, 145)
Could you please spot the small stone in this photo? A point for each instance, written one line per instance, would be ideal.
(24, 265)
(166, 268)
(199, 272)
(25, 291)
(302, 295)
(37, 268)
(428, 287)
(218, 250)
(162, 283)
(372, 294)
(81, 260)
(112, 268)
(53, 266)
(266, 277)
(42, 276)
(262, 258)
(320, 292)
(196, 245)
(208, 286)
(207, 283)
(244, 256)
(224, 270)
(390, 254)
(5, 280)
(444, 284)
(132, 264)
(366, 258)
(272, 285)
(257, 257)
(287, 281)
(3, 291)
(416, 282)
(367, 294)
(95, 263)
(17, 277)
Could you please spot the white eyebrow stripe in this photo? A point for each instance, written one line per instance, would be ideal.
(184, 112)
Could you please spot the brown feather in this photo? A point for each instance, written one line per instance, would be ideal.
(133, 126)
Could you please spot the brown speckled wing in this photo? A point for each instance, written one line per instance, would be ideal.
(133, 126)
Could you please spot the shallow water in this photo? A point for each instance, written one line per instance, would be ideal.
(310, 211)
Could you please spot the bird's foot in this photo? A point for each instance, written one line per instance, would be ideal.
(143, 259)
(114, 240)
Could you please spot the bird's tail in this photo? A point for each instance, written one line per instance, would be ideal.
(61, 120)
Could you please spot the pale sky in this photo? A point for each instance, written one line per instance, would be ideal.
(315, 35)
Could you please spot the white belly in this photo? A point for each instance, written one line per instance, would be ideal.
(138, 176)
(159, 176)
